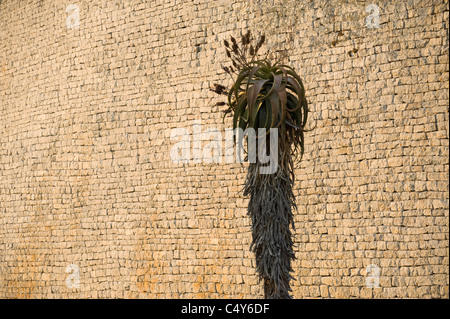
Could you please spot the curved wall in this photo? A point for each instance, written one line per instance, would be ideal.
(91, 204)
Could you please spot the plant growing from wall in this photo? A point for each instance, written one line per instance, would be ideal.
(270, 96)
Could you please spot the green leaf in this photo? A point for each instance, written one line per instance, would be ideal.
(245, 115)
(266, 115)
(242, 123)
(252, 96)
(297, 90)
(275, 105)
(238, 83)
(283, 101)
(277, 78)
(240, 108)
(251, 74)
(297, 114)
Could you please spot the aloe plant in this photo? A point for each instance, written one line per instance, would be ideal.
(270, 96)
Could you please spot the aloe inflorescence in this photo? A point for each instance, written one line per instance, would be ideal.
(270, 96)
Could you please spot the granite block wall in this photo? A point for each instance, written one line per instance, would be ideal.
(92, 206)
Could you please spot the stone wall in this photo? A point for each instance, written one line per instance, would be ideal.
(91, 204)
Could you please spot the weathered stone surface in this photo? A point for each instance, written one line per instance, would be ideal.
(86, 177)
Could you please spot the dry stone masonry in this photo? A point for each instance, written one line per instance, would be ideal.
(91, 205)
